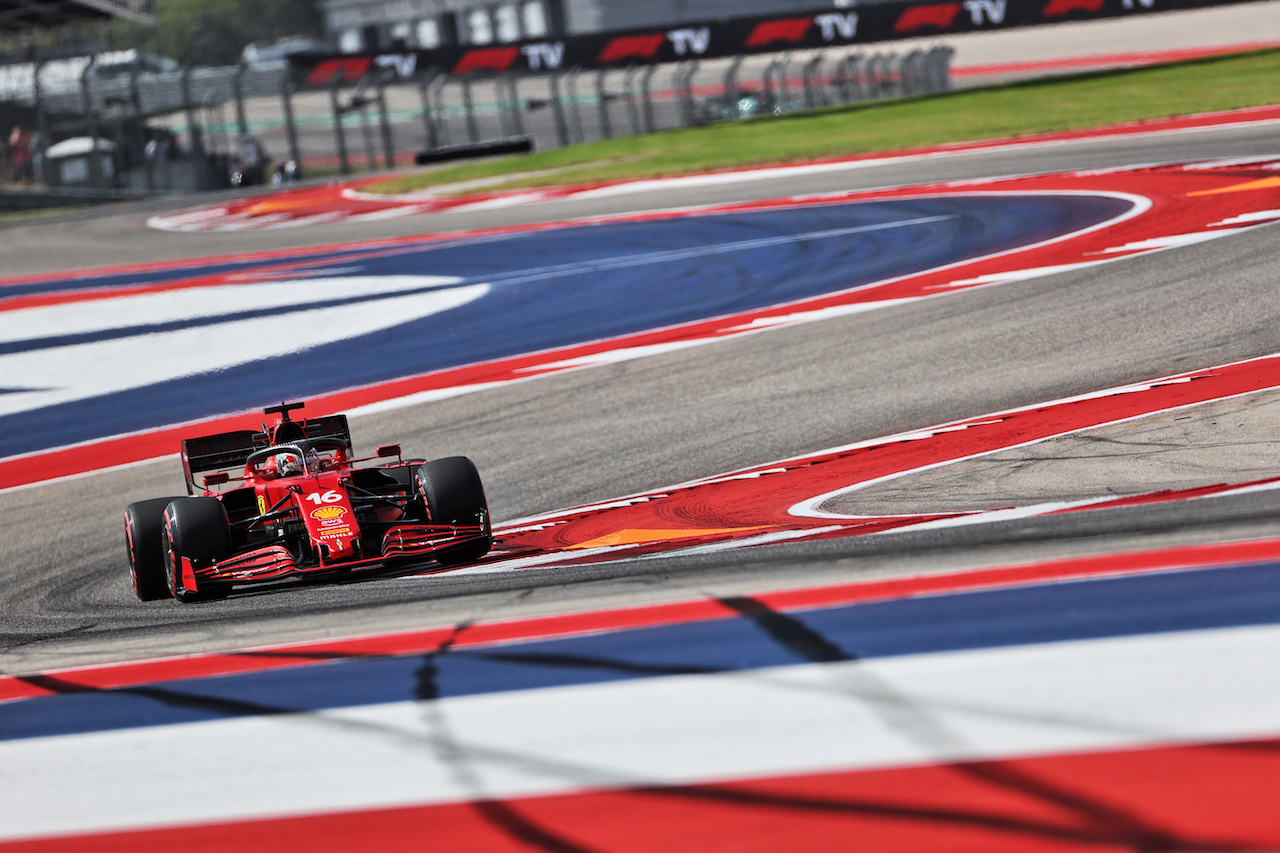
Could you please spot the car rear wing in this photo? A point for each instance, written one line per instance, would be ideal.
(226, 451)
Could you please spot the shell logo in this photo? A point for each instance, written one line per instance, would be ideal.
(326, 513)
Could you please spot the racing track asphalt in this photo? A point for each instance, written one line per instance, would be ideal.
(600, 433)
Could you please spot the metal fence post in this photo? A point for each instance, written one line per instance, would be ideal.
(939, 63)
(646, 91)
(468, 105)
(571, 84)
(338, 134)
(813, 94)
(602, 102)
(871, 77)
(557, 107)
(770, 94)
(730, 95)
(914, 73)
(885, 75)
(290, 128)
(677, 81)
(95, 165)
(784, 86)
(500, 98)
(237, 91)
(42, 120)
(849, 79)
(439, 117)
(930, 70)
(682, 80)
(384, 121)
(503, 95)
(628, 89)
(428, 111)
(188, 106)
(360, 101)
(135, 98)
(513, 90)
(896, 71)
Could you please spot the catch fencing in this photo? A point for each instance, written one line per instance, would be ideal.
(198, 128)
(184, 130)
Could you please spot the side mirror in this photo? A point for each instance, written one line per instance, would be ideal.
(388, 450)
(216, 479)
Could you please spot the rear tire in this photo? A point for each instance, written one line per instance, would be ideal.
(453, 494)
(143, 528)
(195, 529)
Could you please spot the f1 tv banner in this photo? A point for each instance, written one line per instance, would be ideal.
(724, 38)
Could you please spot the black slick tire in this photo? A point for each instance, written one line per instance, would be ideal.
(453, 494)
(143, 526)
(196, 530)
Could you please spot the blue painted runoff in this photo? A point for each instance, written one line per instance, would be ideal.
(549, 289)
(751, 637)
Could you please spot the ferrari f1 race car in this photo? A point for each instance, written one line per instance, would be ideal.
(290, 501)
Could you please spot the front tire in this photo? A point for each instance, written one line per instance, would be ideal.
(143, 529)
(453, 494)
(195, 531)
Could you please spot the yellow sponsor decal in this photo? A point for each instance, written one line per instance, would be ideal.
(327, 513)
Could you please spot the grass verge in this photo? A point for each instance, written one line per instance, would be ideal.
(38, 213)
(1066, 103)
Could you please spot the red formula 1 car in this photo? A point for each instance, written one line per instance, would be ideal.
(290, 501)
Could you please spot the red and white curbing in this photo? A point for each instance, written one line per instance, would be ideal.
(349, 202)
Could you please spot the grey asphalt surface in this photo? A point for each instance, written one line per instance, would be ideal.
(608, 431)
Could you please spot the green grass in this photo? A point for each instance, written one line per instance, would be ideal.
(1067, 103)
(36, 213)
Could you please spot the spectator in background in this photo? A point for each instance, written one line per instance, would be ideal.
(253, 160)
(20, 153)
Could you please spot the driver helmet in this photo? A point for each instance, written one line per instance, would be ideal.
(287, 465)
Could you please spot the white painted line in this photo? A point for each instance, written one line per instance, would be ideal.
(554, 559)
(1017, 275)
(1262, 161)
(819, 314)
(997, 515)
(422, 397)
(1254, 216)
(1173, 241)
(501, 202)
(617, 355)
(748, 542)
